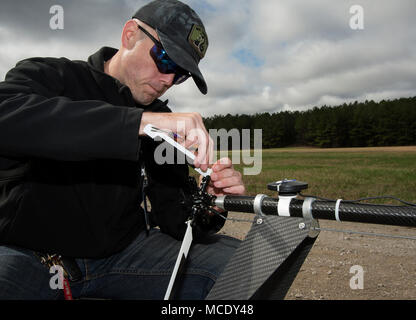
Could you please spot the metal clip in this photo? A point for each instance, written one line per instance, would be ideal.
(146, 211)
(50, 260)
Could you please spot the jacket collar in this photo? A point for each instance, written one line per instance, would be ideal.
(97, 59)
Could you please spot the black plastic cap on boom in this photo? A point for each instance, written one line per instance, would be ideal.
(287, 187)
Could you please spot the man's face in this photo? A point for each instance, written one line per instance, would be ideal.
(140, 71)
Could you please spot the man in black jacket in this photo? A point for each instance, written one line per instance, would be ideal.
(72, 150)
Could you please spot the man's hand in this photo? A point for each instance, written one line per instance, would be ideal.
(190, 127)
(225, 179)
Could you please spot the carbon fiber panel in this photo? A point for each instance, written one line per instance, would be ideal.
(265, 248)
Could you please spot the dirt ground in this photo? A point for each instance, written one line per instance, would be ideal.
(389, 264)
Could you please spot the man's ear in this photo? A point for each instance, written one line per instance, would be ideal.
(130, 34)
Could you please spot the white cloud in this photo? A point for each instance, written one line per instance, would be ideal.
(264, 55)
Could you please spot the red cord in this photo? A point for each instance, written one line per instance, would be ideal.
(67, 290)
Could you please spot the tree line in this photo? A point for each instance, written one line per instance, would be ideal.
(358, 124)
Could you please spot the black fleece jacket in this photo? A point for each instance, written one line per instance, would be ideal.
(70, 161)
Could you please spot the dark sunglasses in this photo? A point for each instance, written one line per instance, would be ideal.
(165, 64)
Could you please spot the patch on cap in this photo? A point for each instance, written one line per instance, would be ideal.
(198, 40)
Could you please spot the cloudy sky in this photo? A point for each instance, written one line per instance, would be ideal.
(264, 55)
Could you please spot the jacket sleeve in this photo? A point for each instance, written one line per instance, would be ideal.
(36, 120)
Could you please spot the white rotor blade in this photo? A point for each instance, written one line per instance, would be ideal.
(180, 261)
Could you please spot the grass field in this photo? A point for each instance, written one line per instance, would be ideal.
(340, 173)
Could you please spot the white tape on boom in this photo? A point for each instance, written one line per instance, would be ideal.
(283, 206)
(337, 210)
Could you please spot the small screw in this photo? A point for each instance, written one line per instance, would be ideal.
(302, 226)
(259, 221)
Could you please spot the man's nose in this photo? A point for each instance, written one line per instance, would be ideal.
(167, 79)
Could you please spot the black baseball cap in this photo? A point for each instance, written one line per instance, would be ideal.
(181, 33)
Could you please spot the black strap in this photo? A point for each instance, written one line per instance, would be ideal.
(72, 269)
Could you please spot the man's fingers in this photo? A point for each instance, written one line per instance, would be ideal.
(229, 172)
(240, 189)
(204, 145)
(228, 182)
(190, 141)
(205, 148)
(211, 150)
(197, 137)
(222, 164)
